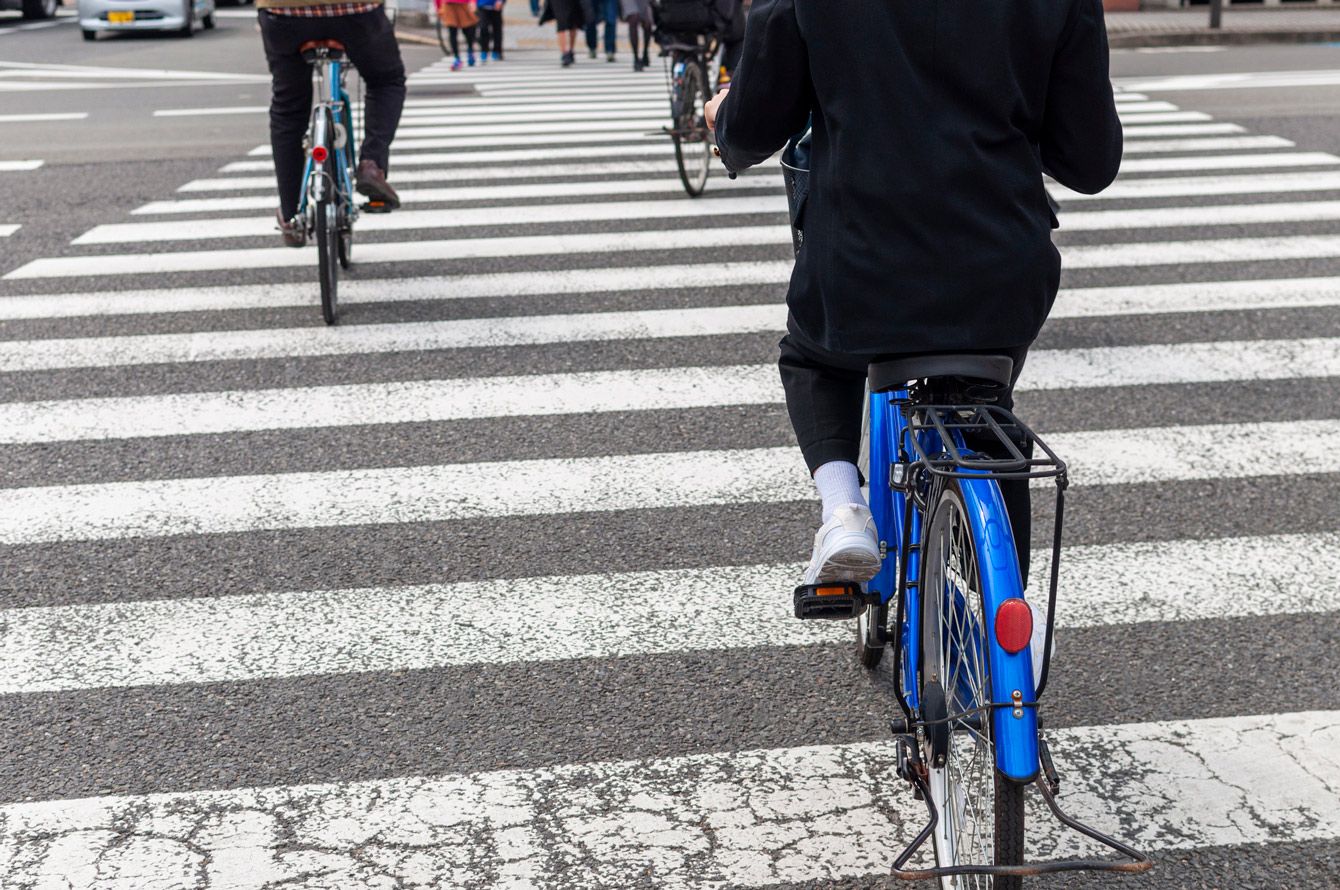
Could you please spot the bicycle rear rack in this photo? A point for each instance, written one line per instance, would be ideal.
(1048, 785)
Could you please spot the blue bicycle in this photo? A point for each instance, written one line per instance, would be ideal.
(970, 741)
(326, 205)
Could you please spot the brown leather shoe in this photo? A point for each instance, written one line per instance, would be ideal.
(371, 181)
(291, 231)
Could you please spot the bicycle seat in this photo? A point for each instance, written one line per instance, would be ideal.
(309, 50)
(894, 373)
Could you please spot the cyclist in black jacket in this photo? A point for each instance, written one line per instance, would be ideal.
(927, 227)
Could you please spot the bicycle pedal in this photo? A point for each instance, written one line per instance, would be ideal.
(832, 600)
(377, 207)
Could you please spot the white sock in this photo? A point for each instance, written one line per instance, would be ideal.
(839, 483)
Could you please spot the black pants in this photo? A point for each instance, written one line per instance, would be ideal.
(370, 43)
(490, 31)
(825, 395)
(453, 38)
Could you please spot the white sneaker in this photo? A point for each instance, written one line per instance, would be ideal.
(846, 548)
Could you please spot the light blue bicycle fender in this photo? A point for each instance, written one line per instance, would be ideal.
(1015, 728)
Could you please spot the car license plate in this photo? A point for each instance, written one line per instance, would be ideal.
(121, 16)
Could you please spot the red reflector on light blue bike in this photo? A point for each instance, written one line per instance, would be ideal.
(1014, 625)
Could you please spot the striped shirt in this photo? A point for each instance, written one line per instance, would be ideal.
(323, 10)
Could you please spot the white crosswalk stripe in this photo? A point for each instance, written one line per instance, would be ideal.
(218, 638)
(701, 820)
(466, 193)
(607, 391)
(128, 392)
(579, 485)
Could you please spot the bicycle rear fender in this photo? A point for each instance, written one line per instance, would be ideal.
(1015, 729)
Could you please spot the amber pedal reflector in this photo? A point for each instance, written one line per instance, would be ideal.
(831, 591)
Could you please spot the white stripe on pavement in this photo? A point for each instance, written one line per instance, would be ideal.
(458, 174)
(1186, 186)
(185, 414)
(1230, 162)
(8, 229)
(1208, 143)
(423, 220)
(419, 401)
(1193, 296)
(1102, 256)
(505, 156)
(1170, 117)
(19, 166)
(39, 118)
(501, 134)
(598, 138)
(88, 352)
(698, 822)
(406, 252)
(1161, 130)
(622, 115)
(217, 639)
(462, 492)
(468, 193)
(1094, 302)
(1199, 216)
(1225, 250)
(1231, 81)
(553, 282)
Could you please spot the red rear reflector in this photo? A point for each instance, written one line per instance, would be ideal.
(1014, 625)
(319, 154)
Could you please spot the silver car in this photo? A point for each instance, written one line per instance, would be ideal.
(182, 16)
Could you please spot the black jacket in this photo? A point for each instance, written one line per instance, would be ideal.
(926, 226)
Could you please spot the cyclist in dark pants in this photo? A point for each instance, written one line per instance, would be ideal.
(927, 227)
(370, 44)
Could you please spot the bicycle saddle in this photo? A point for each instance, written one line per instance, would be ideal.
(894, 373)
(309, 49)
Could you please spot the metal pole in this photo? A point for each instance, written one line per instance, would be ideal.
(1216, 13)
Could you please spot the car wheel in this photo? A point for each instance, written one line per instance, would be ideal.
(189, 28)
(90, 35)
(208, 22)
(39, 9)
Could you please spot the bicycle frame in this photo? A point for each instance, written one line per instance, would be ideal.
(332, 105)
(901, 522)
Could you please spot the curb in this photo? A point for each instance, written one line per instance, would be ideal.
(1206, 37)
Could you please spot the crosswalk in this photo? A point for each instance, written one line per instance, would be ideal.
(487, 585)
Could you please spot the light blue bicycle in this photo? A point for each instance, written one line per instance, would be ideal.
(326, 206)
(969, 737)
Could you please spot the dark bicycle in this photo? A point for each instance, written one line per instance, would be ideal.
(687, 32)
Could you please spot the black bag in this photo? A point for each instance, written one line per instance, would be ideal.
(686, 16)
(796, 177)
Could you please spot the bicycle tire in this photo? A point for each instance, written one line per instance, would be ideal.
(872, 636)
(441, 31)
(345, 243)
(950, 569)
(690, 128)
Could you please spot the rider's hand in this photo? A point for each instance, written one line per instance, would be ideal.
(710, 111)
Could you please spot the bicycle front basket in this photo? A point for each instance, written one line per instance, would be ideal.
(686, 16)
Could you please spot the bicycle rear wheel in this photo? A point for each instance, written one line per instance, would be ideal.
(693, 141)
(441, 30)
(981, 812)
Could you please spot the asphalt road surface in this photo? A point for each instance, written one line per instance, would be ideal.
(488, 586)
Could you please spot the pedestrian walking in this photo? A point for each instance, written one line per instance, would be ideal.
(459, 16)
(638, 15)
(606, 11)
(491, 29)
(568, 17)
